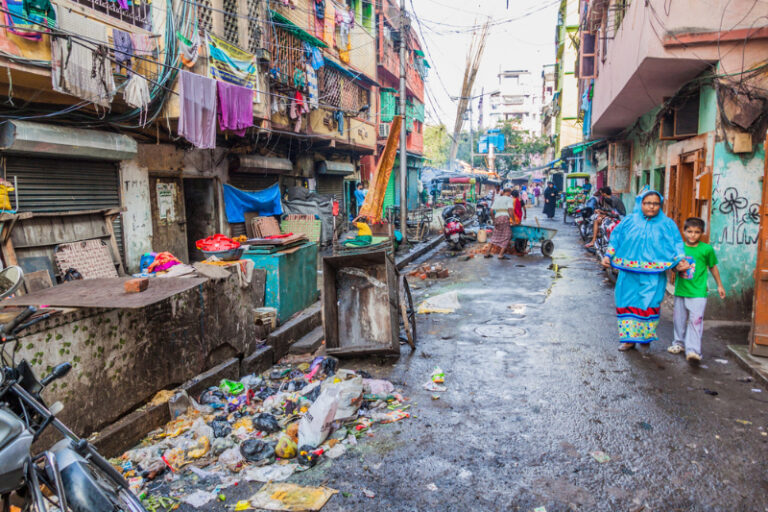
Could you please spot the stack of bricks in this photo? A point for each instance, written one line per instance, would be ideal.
(428, 270)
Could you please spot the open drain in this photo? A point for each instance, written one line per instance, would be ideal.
(499, 331)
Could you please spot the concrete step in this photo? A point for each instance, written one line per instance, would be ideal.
(309, 343)
(294, 329)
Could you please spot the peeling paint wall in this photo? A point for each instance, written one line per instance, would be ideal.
(735, 222)
(137, 217)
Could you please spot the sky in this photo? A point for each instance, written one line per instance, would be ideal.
(521, 37)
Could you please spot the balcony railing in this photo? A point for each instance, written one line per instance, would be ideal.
(138, 14)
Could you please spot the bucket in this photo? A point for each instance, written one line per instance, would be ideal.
(482, 236)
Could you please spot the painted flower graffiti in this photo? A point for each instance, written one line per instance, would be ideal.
(733, 204)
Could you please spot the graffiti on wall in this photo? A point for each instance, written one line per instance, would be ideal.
(742, 218)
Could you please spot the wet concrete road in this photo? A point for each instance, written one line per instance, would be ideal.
(541, 388)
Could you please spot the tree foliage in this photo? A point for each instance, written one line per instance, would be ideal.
(522, 145)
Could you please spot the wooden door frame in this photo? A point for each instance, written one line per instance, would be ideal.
(760, 276)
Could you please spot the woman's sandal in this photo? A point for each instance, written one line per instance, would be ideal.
(626, 346)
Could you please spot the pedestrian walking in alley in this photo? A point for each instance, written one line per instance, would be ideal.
(643, 247)
(691, 291)
(550, 200)
(502, 210)
(536, 194)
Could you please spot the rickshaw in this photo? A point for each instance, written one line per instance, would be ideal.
(574, 194)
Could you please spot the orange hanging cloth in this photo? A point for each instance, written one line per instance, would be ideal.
(374, 200)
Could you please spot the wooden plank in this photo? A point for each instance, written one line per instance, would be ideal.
(108, 223)
(39, 280)
(106, 293)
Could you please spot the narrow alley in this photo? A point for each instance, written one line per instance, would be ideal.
(535, 385)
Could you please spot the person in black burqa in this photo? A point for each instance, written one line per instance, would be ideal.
(550, 200)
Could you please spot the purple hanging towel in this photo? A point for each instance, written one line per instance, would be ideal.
(235, 107)
(197, 115)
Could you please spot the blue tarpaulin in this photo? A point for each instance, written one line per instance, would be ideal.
(264, 202)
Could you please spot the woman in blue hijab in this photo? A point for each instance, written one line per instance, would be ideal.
(643, 247)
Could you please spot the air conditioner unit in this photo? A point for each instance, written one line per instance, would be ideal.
(384, 130)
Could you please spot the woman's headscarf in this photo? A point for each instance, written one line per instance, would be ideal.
(646, 244)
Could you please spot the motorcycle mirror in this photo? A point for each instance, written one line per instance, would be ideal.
(58, 372)
(10, 280)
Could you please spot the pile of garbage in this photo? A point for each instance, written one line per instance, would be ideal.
(262, 428)
(430, 270)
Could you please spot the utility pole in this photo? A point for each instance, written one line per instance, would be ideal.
(471, 138)
(403, 130)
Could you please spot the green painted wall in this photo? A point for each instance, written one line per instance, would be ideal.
(707, 109)
(735, 218)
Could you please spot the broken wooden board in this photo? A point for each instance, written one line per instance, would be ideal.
(106, 293)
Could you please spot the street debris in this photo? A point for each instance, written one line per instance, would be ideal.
(721, 361)
(757, 390)
(600, 456)
(710, 392)
(369, 493)
(431, 271)
(744, 422)
(644, 425)
(435, 383)
(540, 509)
(291, 497)
(263, 428)
(443, 303)
(431, 486)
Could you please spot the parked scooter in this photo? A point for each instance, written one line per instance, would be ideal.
(584, 218)
(69, 476)
(484, 211)
(607, 226)
(453, 231)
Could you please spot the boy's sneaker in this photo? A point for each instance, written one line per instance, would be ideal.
(676, 349)
(692, 357)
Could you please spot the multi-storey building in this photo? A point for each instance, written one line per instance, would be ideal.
(517, 99)
(672, 97)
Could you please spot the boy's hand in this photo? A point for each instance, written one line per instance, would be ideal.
(682, 266)
(721, 292)
(606, 262)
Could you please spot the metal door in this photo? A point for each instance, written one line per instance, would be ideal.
(168, 216)
(759, 342)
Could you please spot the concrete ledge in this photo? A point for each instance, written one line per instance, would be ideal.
(294, 329)
(129, 430)
(755, 366)
(418, 251)
(257, 362)
(309, 343)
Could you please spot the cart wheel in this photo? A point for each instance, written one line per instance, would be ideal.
(408, 312)
(547, 248)
(521, 245)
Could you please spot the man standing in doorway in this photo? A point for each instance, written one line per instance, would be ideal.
(360, 194)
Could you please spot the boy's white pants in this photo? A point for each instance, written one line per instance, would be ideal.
(689, 322)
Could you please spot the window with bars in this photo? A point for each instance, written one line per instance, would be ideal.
(138, 14)
(254, 26)
(204, 15)
(231, 32)
(286, 52)
(339, 91)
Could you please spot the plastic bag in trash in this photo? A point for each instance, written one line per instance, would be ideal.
(286, 448)
(315, 425)
(273, 473)
(213, 396)
(377, 386)
(179, 403)
(350, 394)
(256, 450)
(266, 423)
(232, 459)
(221, 428)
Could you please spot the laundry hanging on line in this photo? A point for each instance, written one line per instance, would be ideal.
(235, 110)
(197, 113)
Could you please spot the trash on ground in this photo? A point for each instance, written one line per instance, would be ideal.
(710, 392)
(721, 361)
(540, 509)
(369, 493)
(745, 379)
(263, 428)
(438, 375)
(744, 422)
(431, 386)
(757, 390)
(645, 425)
(443, 303)
(600, 456)
(429, 270)
(431, 487)
(291, 497)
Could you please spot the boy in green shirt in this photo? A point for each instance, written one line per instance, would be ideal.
(691, 291)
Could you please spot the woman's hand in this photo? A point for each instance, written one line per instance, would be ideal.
(606, 262)
(682, 266)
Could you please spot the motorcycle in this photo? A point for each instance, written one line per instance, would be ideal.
(484, 211)
(71, 475)
(453, 231)
(607, 226)
(584, 218)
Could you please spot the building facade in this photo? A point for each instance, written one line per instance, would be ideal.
(672, 97)
(517, 99)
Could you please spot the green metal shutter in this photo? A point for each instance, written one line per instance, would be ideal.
(60, 185)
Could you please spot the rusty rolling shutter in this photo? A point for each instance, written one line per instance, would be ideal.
(60, 185)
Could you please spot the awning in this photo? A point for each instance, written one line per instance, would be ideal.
(294, 29)
(575, 149)
(352, 75)
(330, 167)
(260, 164)
(46, 139)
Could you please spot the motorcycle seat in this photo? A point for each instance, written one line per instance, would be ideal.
(10, 427)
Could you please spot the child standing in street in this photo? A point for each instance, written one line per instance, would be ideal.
(691, 291)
